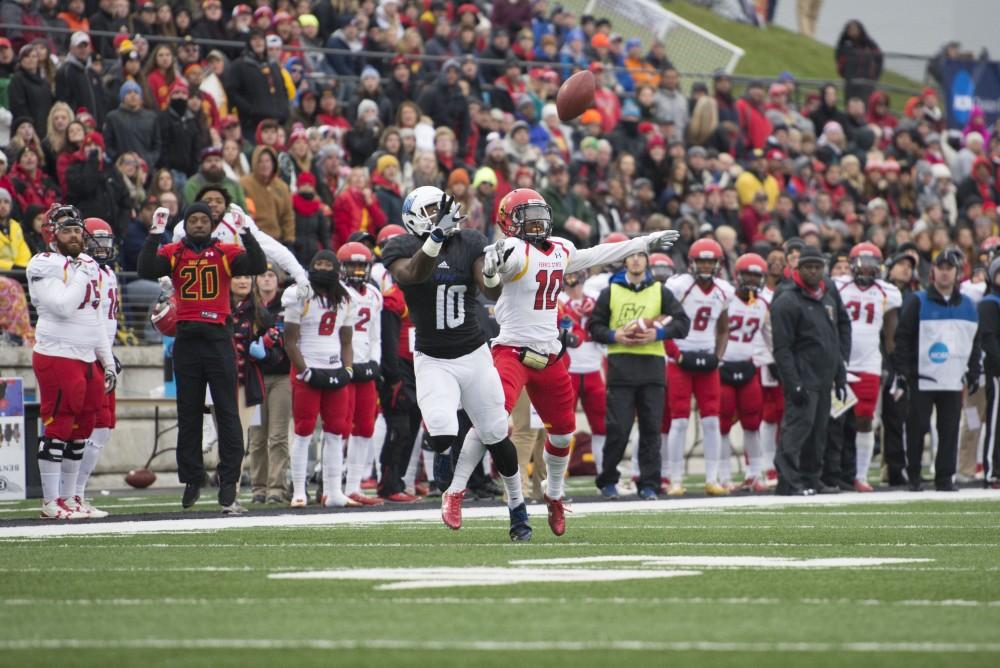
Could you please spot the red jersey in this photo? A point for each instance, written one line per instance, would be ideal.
(201, 280)
(395, 303)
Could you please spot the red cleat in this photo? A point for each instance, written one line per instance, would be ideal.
(557, 515)
(421, 489)
(365, 500)
(400, 497)
(862, 486)
(369, 483)
(664, 485)
(451, 509)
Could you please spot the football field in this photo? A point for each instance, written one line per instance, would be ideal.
(889, 579)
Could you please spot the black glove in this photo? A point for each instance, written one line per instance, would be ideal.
(841, 390)
(799, 396)
(737, 374)
(365, 372)
(329, 379)
(110, 381)
(698, 361)
(118, 365)
(972, 383)
(903, 385)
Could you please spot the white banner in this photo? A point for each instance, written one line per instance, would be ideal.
(13, 483)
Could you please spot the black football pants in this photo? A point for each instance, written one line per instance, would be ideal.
(199, 362)
(802, 443)
(626, 403)
(918, 424)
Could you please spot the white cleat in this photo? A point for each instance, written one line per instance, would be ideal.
(83, 506)
(57, 509)
(299, 502)
(339, 501)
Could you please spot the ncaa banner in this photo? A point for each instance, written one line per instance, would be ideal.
(12, 436)
(968, 84)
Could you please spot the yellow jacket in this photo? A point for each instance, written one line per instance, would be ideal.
(747, 185)
(14, 249)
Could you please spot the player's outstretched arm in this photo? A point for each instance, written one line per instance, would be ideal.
(585, 258)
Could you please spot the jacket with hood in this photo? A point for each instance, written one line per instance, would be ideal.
(971, 187)
(133, 130)
(446, 105)
(257, 89)
(30, 96)
(38, 189)
(390, 200)
(753, 123)
(344, 64)
(78, 85)
(352, 213)
(312, 227)
(272, 201)
(182, 138)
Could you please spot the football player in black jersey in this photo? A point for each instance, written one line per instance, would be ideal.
(439, 268)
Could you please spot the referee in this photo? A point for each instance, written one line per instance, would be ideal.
(200, 269)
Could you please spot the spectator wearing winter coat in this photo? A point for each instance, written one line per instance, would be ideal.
(346, 39)
(362, 139)
(77, 83)
(130, 127)
(980, 183)
(31, 184)
(356, 209)
(312, 220)
(96, 188)
(859, 61)
(386, 187)
(572, 216)
(183, 135)
(445, 104)
(552, 133)
(670, 103)
(753, 122)
(14, 251)
(256, 87)
(29, 92)
(212, 171)
(268, 197)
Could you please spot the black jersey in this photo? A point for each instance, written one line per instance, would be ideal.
(443, 308)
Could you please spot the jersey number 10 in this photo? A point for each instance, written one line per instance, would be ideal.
(450, 310)
(549, 285)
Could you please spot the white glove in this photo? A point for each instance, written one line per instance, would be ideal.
(449, 217)
(303, 291)
(110, 381)
(662, 240)
(237, 218)
(305, 375)
(160, 218)
(491, 262)
(166, 285)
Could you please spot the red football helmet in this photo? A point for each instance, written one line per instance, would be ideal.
(704, 258)
(164, 316)
(750, 271)
(100, 241)
(355, 262)
(388, 232)
(59, 215)
(524, 214)
(661, 265)
(866, 263)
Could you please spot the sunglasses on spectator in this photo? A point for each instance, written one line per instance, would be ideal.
(130, 163)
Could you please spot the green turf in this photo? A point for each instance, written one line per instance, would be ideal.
(140, 589)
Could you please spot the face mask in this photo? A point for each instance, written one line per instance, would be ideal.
(324, 279)
(178, 105)
(307, 195)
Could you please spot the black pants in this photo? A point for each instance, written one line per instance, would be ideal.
(625, 403)
(991, 445)
(893, 444)
(840, 457)
(799, 459)
(918, 424)
(199, 362)
(402, 422)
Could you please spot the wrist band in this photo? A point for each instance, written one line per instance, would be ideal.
(431, 247)
(491, 281)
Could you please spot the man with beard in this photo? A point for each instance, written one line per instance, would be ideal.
(211, 172)
(201, 268)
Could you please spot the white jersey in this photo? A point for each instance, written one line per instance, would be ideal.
(67, 297)
(596, 284)
(703, 307)
(747, 320)
(867, 308)
(319, 327)
(382, 277)
(366, 341)
(974, 291)
(275, 251)
(588, 357)
(111, 299)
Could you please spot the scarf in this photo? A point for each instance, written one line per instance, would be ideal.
(816, 294)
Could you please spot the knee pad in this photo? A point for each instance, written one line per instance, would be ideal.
(439, 444)
(504, 455)
(496, 432)
(561, 441)
(74, 450)
(51, 449)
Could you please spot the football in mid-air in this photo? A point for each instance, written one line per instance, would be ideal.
(140, 478)
(575, 96)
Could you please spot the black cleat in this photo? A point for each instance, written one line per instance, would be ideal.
(946, 487)
(192, 492)
(227, 495)
(520, 530)
(915, 486)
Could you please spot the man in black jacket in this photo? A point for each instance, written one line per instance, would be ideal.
(812, 342)
(635, 367)
(901, 268)
(77, 84)
(130, 127)
(182, 136)
(445, 104)
(989, 339)
(255, 87)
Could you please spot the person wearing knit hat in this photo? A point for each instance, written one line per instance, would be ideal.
(386, 161)
(368, 111)
(459, 175)
(485, 175)
(129, 87)
(591, 117)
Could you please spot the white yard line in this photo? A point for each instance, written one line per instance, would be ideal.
(357, 517)
(506, 646)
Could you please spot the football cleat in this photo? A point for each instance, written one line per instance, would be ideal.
(421, 489)
(340, 501)
(451, 509)
(234, 508)
(609, 492)
(369, 483)
(400, 497)
(715, 489)
(192, 492)
(557, 514)
(676, 489)
(863, 486)
(299, 502)
(75, 503)
(772, 477)
(57, 509)
(664, 485)
(648, 494)
(92, 512)
(520, 530)
(365, 500)
(756, 485)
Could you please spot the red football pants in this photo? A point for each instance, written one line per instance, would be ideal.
(308, 403)
(590, 390)
(71, 395)
(550, 389)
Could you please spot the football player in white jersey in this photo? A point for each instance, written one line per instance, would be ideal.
(70, 336)
(595, 285)
(873, 306)
(100, 245)
(318, 340)
(706, 299)
(740, 383)
(366, 344)
(530, 265)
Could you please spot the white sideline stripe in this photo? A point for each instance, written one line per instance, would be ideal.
(490, 512)
(723, 561)
(505, 646)
(539, 600)
(297, 569)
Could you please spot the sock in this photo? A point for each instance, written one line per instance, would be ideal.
(411, 469)
(299, 457)
(470, 456)
(665, 455)
(675, 446)
(428, 461)
(712, 445)
(864, 446)
(556, 461)
(755, 460)
(375, 446)
(91, 454)
(597, 450)
(357, 459)
(725, 459)
(333, 470)
(50, 472)
(70, 468)
(512, 484)
(768, 444)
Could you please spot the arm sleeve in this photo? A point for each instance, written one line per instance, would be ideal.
(783, 327)
(251, 263)
(150, 264)
(904, 355)
(276, 252)
(680, 323)
(585, 258)
(599, 325)
(292, 306)
(376, 334)
(843, 332)
(989, 332)
(47, 287)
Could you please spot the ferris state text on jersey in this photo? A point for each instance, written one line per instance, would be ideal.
(443, 308)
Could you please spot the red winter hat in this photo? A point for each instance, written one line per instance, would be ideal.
(654, 141)
(306, 179)
(178, 84)
(94, 138)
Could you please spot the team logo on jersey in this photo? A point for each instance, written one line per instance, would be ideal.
(630, 312)
(830, 314)
(938, 353)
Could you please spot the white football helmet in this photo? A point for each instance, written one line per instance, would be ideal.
(420, 209)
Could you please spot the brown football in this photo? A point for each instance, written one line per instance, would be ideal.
(575, 96)
(140, 478)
